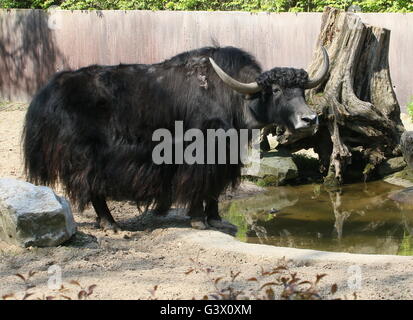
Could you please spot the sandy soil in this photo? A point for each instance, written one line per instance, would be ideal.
(152, 251)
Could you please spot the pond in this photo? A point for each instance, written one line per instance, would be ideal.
(357, 218)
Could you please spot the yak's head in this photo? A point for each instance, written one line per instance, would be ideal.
(277, 96)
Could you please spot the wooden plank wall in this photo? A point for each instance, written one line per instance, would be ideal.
(34, 43)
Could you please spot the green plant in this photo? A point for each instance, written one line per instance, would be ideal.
(410, 109)
(406, 246)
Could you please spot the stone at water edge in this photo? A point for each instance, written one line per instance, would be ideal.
(405, 196)
(33, 215)
(406, 144)
(275, 168)
(390, 166)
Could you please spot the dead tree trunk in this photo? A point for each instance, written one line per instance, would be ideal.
(359, 114)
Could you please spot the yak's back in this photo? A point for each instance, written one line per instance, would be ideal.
(231, 59)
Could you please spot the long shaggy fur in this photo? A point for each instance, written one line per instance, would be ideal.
(91, 129)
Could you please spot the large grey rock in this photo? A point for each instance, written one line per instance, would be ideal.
(33, 215)
(275, 169)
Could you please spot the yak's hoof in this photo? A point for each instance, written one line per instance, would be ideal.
(222, 224)
(198, 224)
(107, 225)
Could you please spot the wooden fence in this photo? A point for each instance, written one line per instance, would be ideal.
(34, 43)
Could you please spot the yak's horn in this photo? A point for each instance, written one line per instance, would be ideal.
(245, 88)
(312, 83)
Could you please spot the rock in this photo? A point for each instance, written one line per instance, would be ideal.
(405, 177)
(33, 215)
(402, 178)
(275, 169)
(406, 144)
(390, 166)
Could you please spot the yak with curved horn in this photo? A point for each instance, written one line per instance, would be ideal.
(92, 130)
(253, 87)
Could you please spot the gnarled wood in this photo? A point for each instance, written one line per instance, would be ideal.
(359, 114)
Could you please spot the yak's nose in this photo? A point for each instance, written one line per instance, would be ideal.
(310, 119)
(305, 121)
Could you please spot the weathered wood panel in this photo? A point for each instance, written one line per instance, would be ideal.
(34, 44)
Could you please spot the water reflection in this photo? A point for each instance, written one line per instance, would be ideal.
(356, 218)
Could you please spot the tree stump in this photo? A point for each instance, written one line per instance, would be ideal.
(358, 111)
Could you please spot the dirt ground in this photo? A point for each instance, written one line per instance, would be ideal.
(159, 252)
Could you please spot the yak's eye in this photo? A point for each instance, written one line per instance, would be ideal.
(276, 90)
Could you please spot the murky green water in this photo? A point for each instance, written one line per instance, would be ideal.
(359, 218)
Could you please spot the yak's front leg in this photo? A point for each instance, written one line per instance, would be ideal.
(213, 218)
(197, 215)
(104, 219)
(164, 204)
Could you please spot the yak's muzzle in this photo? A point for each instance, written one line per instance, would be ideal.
(307, 121)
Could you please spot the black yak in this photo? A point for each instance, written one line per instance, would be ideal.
(91, 129)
